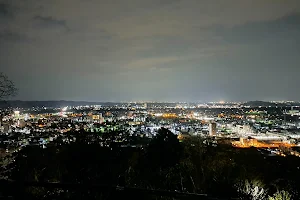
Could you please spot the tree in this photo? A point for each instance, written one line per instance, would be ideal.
(251, 190)
(7, 87)
(164, 150)
(158, 165)
(281, 195)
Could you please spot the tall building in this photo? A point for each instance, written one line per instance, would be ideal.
(98, 118)
(212, 129)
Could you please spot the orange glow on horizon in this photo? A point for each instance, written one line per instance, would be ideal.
(247, 143)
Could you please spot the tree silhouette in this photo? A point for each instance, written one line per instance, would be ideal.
(164, 149)
(7, 87)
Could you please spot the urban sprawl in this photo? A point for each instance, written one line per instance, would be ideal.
(273, 127)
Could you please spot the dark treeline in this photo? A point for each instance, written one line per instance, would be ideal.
(195, 165)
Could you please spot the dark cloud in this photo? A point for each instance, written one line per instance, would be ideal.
(4, 10)
(285, 27)
(6, 13)
(50, 22)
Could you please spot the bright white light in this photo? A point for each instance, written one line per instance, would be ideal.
(65, 109)
(17, 112)
(26, 117)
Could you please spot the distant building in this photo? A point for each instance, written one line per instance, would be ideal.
(130, 114)
(21, 123)
(98, 118)
(6, 128)
(212, 129)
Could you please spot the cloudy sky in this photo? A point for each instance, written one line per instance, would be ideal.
(165, 50)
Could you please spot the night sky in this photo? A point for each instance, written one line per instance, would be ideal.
(158, 50)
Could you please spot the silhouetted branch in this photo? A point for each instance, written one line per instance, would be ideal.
(7, 87)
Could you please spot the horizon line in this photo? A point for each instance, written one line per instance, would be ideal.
(142, 101)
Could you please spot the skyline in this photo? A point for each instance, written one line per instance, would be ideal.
(88, 50)
(15, 102)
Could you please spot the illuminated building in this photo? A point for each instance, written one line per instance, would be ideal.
(17, 114)
(169, 115)
(98, 118)
(252, 142)
(21, 123)
(212, 129)
(130, 114)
